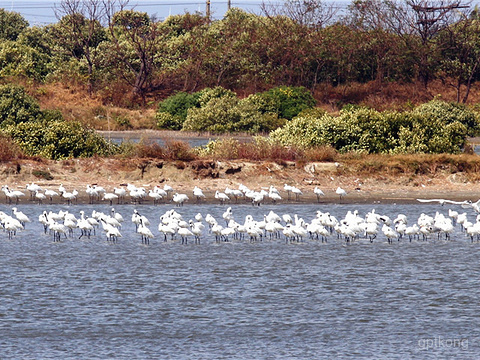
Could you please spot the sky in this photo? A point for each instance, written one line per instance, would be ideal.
(41, 12)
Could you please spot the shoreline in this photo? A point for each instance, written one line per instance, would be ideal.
(212, 175)
(356, 199)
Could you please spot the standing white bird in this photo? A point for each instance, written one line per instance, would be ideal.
(222, 197)
(57, 229)
(318, 192)
(155, 196)
(389, 233)
(297, 192)
(92, 193)
(228, 214)
(341, 192)
(275, 196)
(20, 216)
(184, 234)
(110, 197)
(11, 226)
(120, 192)
(69, 196)
(196, 228)
(116, 215)
(40, 196)
(168, 189)
(198, 193)
(145, 232)
(33, 189)
(179, 199)
(288, 189)
(84, 226)
(50, 193)
(236, 193)
(12, 195)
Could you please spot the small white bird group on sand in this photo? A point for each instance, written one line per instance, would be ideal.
(165, 194)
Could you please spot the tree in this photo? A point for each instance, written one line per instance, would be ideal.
(136, 44)
(12, 24)
(310, 13)
(80, 31)
(460, 48)
(429, 17)
(235, 57)
(382, 54)
(416, 23)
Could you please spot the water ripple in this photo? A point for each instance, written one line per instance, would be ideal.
(90, 299)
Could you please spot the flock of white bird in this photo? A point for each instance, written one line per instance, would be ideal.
(322, 227)
(158, 194)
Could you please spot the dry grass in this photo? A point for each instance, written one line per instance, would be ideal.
(98, 112)
(387, 96)
(173, 150)
(9, 150)
(93, 111)
(429, 165)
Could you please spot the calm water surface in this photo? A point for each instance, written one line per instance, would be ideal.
(81, 299)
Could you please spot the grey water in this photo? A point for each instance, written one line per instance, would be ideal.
(271, 299)
(192, 142)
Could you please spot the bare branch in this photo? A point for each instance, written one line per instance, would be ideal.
(311, 13)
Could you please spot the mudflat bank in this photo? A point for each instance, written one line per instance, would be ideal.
(211, 175)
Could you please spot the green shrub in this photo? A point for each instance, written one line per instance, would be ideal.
(16, 106)
(369, 131)
(123, 122)
(172, 111)
(430, 135)
(169, 121)
(449, 113)
(229, 114)
(302, 131)
(289, 101)
(207, 94)
(218, 115)
(12, 24)
(52, 115)
(58, 140)
(21, 60)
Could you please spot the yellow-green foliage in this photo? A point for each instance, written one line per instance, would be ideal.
(58, 139)
(370, 131)
(221, 111)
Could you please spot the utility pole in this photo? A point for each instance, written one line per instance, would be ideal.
(208, 10)
(229, 4)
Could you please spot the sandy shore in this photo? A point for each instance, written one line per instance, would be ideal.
(211, 176)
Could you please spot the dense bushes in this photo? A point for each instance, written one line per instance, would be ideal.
(45, 133)
(449, 112)
(287, 101)
(229, 114)
(16, 106)
(172, 112)
(58, 139)
(219, 110)
(431, 128)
